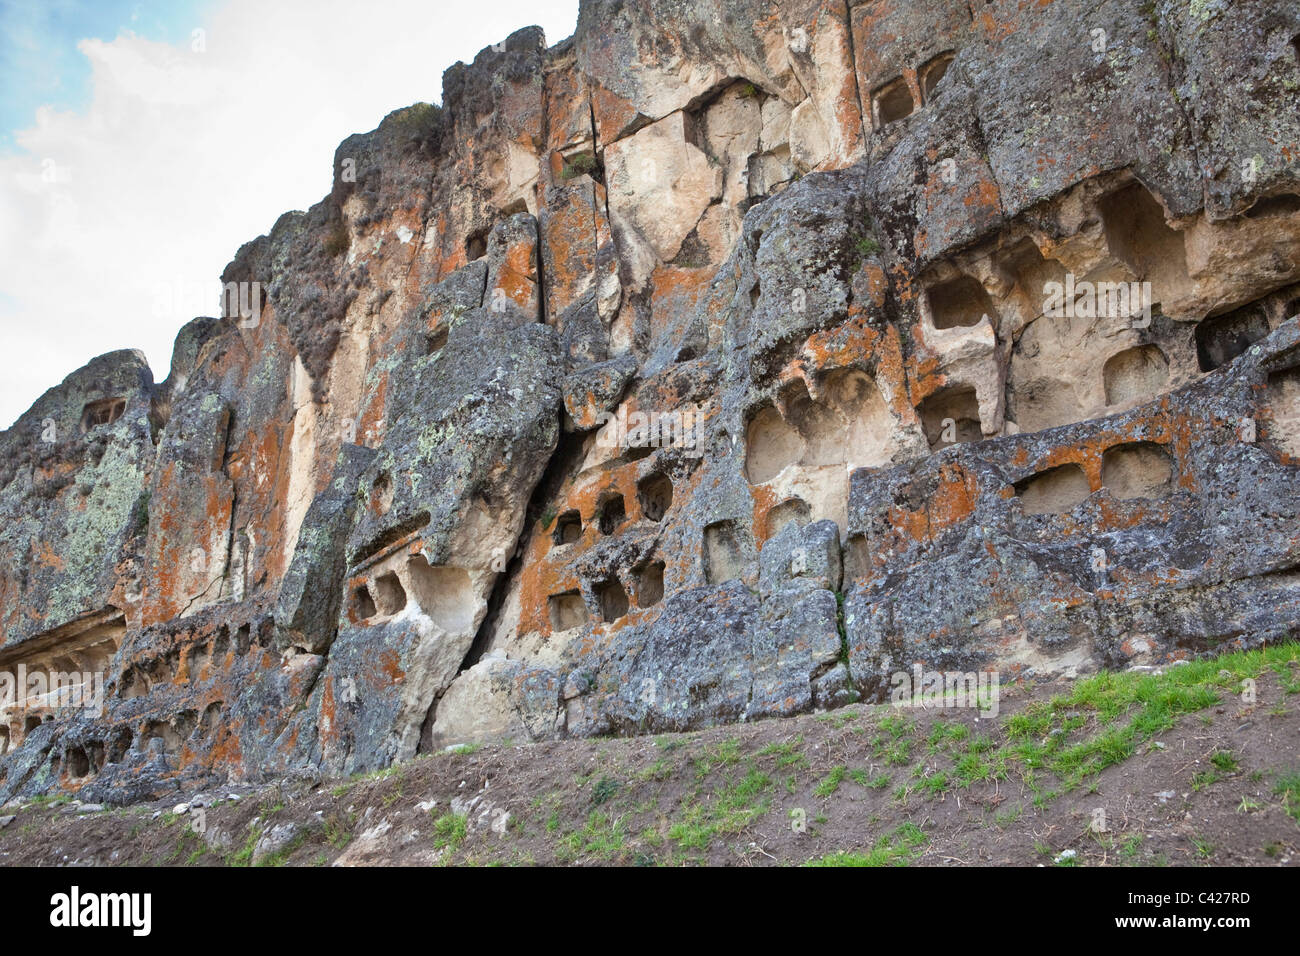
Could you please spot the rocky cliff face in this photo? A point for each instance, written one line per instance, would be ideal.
(710, 365)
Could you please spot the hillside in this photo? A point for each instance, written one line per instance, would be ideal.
(699, 378)
(1159, 769)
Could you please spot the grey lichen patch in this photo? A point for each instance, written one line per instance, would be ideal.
(90, 533)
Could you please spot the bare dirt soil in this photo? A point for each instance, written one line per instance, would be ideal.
(1176, 768)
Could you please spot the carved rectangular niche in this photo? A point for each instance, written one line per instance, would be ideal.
(69, 656)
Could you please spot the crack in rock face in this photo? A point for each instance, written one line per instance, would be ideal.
(720, 362)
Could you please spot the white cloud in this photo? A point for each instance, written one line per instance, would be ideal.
(182, 156)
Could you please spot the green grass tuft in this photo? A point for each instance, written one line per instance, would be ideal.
(898, 848)
(831, 782)
(449, 831)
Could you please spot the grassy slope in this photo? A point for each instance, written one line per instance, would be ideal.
(1174, 767)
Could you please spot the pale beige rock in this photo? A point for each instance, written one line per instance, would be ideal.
(804, 448)
(770, 171)
(718, 229)
(636, 255)
(776, 125)
(661, 183)
(809, 144)
(833, 91)
(1229, 262)
(474, 708)
(731, 127)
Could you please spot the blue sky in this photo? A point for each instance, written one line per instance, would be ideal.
(125, 183)
(39, 61)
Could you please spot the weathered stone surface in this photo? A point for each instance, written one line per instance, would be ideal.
(641, 164)
(73, 507)
(495, 699)
(311, 595)
(444, 498)
(597, 389)
(1149, 565)
(711, 365)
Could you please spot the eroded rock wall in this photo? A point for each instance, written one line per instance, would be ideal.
(710, 365)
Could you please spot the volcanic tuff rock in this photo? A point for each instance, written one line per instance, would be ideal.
(713, 364)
